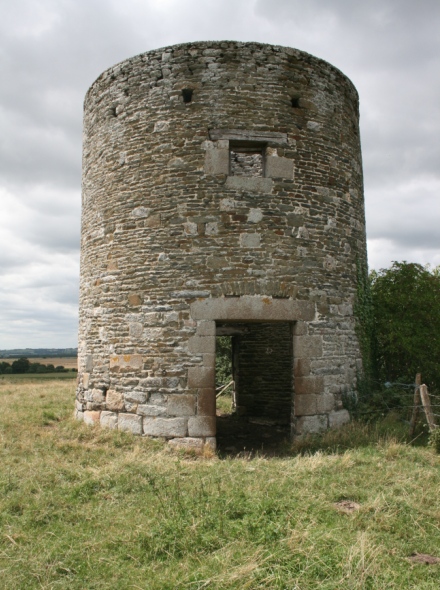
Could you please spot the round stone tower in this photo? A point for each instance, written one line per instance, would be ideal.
(222, 195)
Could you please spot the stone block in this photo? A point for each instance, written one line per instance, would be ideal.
(216, 161)
(89, 363)
(109, 420)
(205, 328)
(95, 396)
(79, 415)
(279, 167)
(86, 380)
(336, 419)
(202, 344)
(130, 423)
(307, 346)
(126, 361)
(311, 424)
(114, 401)
(200, 377)
(253, 184)
(208, 360)
(305, 385)
(91, 417)
(206, 402)
(151, 410)
(252, 307)
(202, 426)
(134, 300)
(135, 397)
(211, 443)
(325, 403)
(79, 406)
(250, 240)
(181, 404)
(301, 367)
(166, 427)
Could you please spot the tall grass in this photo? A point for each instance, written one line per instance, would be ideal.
(83, 508)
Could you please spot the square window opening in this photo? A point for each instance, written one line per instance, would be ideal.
(246, 159)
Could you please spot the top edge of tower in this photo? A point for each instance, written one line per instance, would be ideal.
(118, 68)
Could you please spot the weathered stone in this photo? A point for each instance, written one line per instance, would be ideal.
(206, 402)
(220, 188)
(130, 423)
(200, 377)
(85, 380)
(202, 426)
(181, 404)
(109, 420)
(202, 344)
(249, 183)
(114, 401)
(311, 424)
(166, 427)
(151, 410)
(216, 161)
(279, 167)
(91, 417)
(307, 346)
(305, 385)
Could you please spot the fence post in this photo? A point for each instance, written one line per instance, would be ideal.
(412, 423)
(427, 407)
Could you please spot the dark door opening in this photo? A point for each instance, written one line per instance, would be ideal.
(254, 385)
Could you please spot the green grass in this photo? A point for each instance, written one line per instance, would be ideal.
(83, 508)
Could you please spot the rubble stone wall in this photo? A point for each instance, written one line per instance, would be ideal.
(174, 239)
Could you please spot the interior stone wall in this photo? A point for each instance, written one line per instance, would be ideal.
(264, 371)
(172, 240)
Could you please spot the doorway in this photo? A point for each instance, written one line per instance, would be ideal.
(254, 385)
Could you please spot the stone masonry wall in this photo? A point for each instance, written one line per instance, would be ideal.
(265, 388)
(173, 240)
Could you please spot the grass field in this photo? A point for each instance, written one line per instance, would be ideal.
(87, 509)
(68, 362)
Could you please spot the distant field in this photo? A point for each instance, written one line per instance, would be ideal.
(68, 362)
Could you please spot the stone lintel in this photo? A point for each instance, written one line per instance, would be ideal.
(253, 308)
(271, 137)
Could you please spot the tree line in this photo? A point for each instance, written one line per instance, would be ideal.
(24, 365)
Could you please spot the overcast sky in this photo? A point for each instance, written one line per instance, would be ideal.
(51, 51)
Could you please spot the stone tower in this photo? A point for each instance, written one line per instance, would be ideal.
(222, 194)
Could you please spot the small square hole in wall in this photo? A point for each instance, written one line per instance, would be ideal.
(295, 102)
(246, 159)
(187, 94)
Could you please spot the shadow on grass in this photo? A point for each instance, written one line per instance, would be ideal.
(244, 439)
